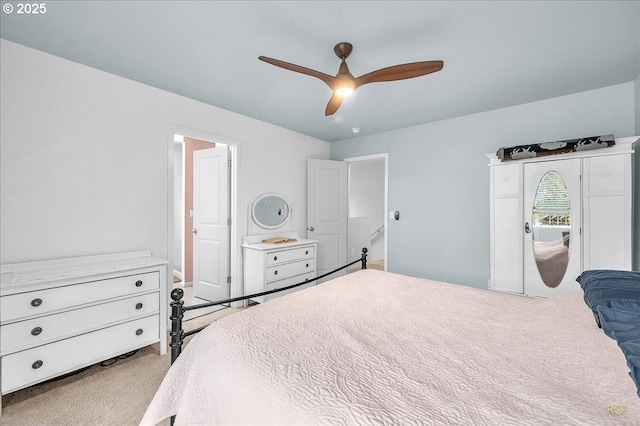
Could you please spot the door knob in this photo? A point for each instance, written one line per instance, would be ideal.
(311, 228)
(195, 231)
(527, 229)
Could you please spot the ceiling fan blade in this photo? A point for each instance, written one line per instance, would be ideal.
(333, 105)
(328, 79)
(400, 72)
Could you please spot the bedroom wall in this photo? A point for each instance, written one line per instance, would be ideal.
(85, 155)
(439, 178)
(636, 195)
(636, 203)
(637, 102)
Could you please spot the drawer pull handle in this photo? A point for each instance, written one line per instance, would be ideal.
(37, 364)
(138, 332)
(275, 272)
(138, 305)
(36, 331)
(275, 257)
(36, 302)
(306, 252)
(139, 283)
(307, 265)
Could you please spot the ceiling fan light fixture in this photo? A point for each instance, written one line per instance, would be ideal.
(344, 86)
(344, 91)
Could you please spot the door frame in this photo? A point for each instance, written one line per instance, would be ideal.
(235, 288)
(385, 156)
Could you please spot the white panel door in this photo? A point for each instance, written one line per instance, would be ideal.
(327, 213)
(211, 223)
(552, 245)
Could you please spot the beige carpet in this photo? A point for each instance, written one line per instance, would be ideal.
(376, 264)
(115, 395)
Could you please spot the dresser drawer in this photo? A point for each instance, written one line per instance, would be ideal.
(287, 282)
(24, 368)
(283, 256)
(44, 329)
(275, 273)
(41, 302)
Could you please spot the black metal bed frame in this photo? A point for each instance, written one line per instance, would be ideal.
(178, 309)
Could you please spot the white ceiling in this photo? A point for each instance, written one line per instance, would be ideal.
(496, 53)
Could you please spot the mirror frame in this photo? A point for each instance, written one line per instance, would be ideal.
(259, 222)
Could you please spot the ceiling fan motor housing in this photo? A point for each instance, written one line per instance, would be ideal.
(343, 50)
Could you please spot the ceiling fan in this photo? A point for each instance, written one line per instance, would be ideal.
(344, 83)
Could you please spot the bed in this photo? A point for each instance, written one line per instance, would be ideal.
(375, 347)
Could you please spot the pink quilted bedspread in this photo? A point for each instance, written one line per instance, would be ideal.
(387, 349)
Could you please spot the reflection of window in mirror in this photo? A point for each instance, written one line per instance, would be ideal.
(552, 206)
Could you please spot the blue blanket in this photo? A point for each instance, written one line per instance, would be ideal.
(612, 289)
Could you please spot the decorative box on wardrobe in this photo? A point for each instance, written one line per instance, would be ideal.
(60, 315)
(553, 217)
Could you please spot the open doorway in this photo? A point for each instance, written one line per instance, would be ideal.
(200, 201)
(184, 147)
(368, 201)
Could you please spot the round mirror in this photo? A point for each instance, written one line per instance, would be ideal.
(551, 229)
(270, 211)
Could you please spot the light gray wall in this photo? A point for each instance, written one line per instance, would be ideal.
(439, 178)
(636, 204)
(637, 103)
(85, 159)
(636, 184)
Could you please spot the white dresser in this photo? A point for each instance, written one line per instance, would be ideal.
(268, 266)
(57, 316)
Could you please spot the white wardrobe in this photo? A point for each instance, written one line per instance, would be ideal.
(555, 216)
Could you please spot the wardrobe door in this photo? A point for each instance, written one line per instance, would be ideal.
(552, 236)
(506, 228)
(607, 212)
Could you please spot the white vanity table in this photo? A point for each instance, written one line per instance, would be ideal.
(269, 266)
(272, 265)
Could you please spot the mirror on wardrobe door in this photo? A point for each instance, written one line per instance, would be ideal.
(551, 227)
